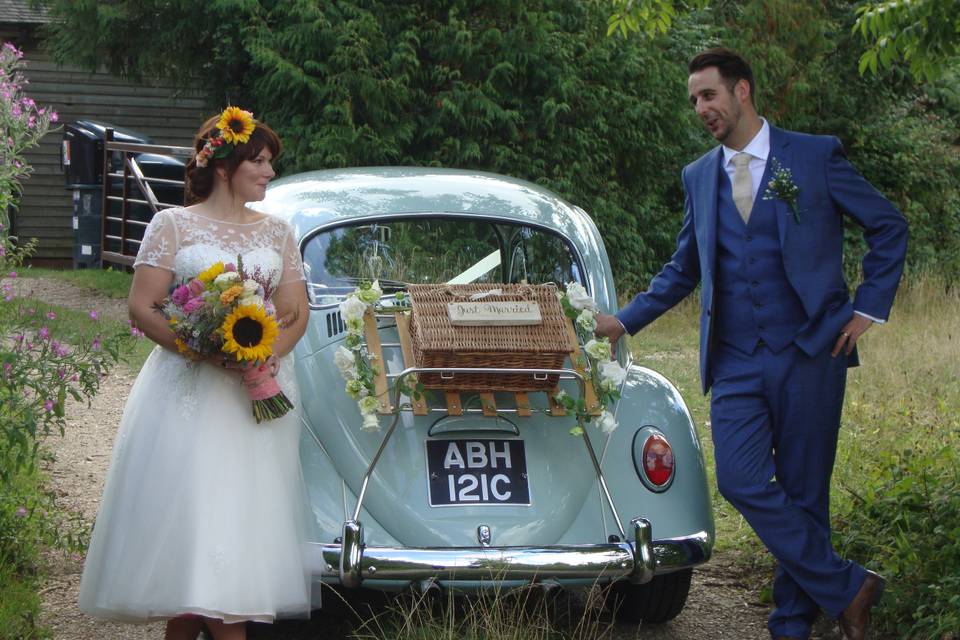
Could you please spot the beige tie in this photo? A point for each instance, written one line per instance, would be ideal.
(743, 185)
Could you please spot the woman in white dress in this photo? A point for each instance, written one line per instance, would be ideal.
(202, 517)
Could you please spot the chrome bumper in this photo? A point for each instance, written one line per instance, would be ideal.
(638, 561)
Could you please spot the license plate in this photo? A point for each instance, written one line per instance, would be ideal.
(482, 471)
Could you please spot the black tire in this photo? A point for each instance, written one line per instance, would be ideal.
(660, 600)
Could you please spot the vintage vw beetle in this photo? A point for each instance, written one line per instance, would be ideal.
(471, 501)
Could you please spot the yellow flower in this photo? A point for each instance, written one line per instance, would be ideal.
(235, 125)
(208, 274)
(231, 294)
(249, 333)
(187, 351)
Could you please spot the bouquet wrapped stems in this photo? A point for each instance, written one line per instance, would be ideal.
(269, 401)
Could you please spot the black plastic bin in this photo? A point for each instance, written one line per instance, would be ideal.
(82, 162)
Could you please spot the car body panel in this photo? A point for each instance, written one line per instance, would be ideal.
(568, 506)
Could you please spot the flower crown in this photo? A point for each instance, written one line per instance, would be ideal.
(234, 127)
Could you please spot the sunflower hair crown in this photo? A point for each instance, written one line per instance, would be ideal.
(234, 127)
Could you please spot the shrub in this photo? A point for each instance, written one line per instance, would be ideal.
(909, 514)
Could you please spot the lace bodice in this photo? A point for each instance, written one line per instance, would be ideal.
(186, 243)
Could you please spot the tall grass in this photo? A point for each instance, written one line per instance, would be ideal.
(526, 613)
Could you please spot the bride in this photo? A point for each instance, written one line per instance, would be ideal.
(202, 519)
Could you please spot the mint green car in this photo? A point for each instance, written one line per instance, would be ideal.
(439, 501)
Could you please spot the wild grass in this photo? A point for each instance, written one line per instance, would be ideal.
(109, 282)
(526, 613)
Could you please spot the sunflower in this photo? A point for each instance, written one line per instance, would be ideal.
(235, 125)
(249, 333)
(211, 272)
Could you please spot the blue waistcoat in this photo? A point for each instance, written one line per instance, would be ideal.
(754, 300)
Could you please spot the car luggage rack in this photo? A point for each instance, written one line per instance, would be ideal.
(633, 558)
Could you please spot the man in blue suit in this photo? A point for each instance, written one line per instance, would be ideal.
(763, 236)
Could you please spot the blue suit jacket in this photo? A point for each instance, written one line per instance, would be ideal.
(812, 250)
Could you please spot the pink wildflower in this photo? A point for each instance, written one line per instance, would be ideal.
(230, 267)
(51, 315)
(7, 367)
(73, 378)
(192, 305)
(95, 345)
(12, 274)
(61, 373)
(21, 512)
(48, 405)
(44, 333)
(93, 314)
(180, 295)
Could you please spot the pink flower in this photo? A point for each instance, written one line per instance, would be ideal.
(180, 295)
(229, 267)
(44, 333)
(12, 274)
(196, 287)
(59, 349)
(73, 378)
(53, 116)
(61, 373)
(192, 305)
(95, 345)
(21, 512)
(48, 405)
(51, 315)
(7, 367)
(93, 314)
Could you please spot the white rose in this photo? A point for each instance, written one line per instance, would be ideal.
(598, 349)
(606, 422)
(370, 422)
(368, 405)
(613, 373)
(587, 321)
(352, 308)
(372, 294)
(578, 297)
(345, 362)
(250, 287)
(226, 279)
(256, 300)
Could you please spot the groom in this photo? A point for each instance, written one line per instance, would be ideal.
(777, 328)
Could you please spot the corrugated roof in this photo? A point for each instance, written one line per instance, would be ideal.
(20, 12)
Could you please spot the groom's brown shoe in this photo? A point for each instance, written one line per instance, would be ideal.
(856, 617)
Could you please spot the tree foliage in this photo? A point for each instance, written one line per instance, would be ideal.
(535, 89)
(923, 33)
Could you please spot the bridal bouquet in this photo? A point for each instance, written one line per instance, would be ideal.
(226, 310)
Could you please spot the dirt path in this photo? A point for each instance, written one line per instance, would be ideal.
(722, 603)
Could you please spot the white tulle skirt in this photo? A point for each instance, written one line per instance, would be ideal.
(204, 509)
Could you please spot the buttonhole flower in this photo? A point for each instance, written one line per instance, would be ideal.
(782, 187)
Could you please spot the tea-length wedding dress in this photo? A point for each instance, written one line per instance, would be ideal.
(203, 510)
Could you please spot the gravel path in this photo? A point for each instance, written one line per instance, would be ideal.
(723, 601)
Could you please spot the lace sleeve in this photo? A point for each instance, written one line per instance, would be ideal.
(159, 246)
(292, 262)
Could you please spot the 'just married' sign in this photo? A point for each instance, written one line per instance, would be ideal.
(494, 313)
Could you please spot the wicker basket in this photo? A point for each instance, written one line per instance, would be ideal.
(438, 343)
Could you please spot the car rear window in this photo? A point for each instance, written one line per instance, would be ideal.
(433, 250)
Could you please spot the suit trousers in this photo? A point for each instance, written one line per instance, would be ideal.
(775, 418)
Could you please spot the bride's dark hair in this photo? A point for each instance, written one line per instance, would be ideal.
(199, 180)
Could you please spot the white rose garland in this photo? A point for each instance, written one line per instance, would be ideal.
(605, 374)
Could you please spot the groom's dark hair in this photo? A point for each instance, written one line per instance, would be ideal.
(729, 63)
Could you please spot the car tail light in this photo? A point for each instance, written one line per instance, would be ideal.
(653, 459)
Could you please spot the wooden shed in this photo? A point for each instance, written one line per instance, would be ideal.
(157, 110)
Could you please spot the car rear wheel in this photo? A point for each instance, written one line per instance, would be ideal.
(660, 600)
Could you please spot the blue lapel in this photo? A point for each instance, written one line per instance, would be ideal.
(780, 149)
(706, 201)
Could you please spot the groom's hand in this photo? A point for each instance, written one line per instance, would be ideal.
(609, 327)
(850, 334)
